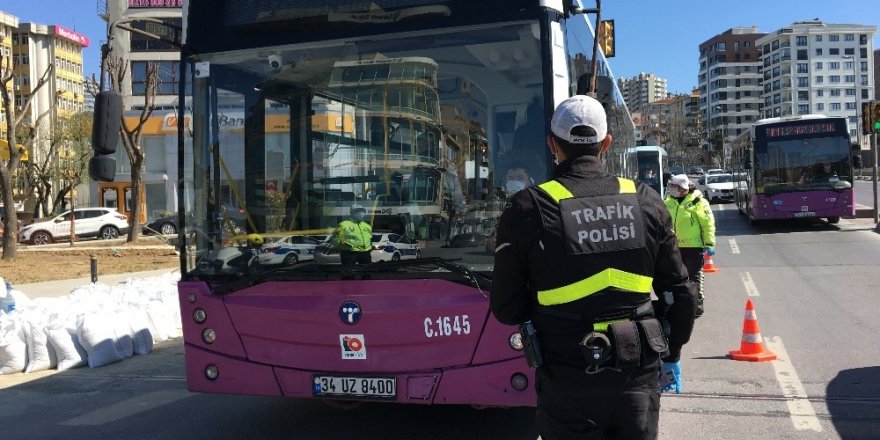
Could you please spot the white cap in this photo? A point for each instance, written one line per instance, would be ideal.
(577, 111)
(680, 180)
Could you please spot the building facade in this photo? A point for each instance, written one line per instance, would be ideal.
(730, 83)
(819, 68)
(642, 89)
(8, 24)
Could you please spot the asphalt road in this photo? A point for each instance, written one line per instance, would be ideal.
(814, 286)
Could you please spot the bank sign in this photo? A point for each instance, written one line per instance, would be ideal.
(68, 34)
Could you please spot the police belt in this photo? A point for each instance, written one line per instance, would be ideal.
(632, 341)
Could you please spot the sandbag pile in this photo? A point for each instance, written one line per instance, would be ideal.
(93, 325)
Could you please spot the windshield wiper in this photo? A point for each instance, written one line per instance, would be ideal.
(310, 270)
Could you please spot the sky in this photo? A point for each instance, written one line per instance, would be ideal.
(657, 36)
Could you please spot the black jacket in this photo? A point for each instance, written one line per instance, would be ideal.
(529, 257)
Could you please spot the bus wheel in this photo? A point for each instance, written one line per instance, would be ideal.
(833, 220)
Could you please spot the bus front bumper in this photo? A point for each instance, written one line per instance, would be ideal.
(508, 383)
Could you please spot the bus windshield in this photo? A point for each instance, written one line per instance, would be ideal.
(798, 164)
(430, 132)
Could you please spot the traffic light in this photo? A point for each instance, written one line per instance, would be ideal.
(875, 116)
(105, 136)
(606, 37)
(867, 127)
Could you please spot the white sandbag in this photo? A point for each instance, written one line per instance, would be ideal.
(13, 349)
(40, 354)
(100, 337)
(142, 338)
(69, 352)
(161, 321)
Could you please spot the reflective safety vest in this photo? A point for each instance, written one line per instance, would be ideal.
(596, 225)
(356, 237)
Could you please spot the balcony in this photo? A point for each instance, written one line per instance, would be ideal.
(103, 10)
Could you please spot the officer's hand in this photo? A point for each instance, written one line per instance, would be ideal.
(710, 251)
(672, 369)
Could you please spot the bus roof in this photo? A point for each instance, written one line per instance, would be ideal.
(646, 148)
(793, 118)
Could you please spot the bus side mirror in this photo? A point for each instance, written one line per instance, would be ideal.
(857, 161)
(105, 136)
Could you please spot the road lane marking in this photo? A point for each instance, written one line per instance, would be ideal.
(803, 416)
(751, 288)
(733, 246)
(127, 408)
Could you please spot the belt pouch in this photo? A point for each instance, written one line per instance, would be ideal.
(654, 338)
(627, 346)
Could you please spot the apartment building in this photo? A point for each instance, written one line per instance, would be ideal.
(730, 82)
(642, 89)
(8, 23)
(819, 68)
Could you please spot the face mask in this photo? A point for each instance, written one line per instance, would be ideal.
(674, 191)
(358, 217)
(515, 186)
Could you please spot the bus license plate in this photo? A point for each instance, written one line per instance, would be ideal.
(354, 387)
(805, 214)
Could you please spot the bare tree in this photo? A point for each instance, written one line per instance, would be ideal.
(132, 138)
(18, 143)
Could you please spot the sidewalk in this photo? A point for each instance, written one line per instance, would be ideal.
(63, 287)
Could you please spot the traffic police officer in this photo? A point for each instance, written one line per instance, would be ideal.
(577, 257)
(354, 237)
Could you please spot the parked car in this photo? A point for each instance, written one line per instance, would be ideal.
(327, 252)
(393, 247)
(717, 187)
(288, 250)
(695, 171)
(104, 223)
(168, 225)
(712, 171)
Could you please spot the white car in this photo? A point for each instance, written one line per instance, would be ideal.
(106, 223)
(717, 187)
(288, 250)
(393, 247)
(714, 171)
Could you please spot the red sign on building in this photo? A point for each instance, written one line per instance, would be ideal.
(68, 34)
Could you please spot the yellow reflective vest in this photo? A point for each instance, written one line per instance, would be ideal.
(692, 220)
(604, 279)
(355, 237)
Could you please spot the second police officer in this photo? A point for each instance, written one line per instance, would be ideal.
(577, 258)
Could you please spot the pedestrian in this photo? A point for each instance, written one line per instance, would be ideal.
(694, 226)
(576, 260)
(354, 237)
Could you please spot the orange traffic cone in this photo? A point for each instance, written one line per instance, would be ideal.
(708, 266)
(752, 347)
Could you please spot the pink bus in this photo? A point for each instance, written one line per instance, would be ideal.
(795, 167)
(417, 111)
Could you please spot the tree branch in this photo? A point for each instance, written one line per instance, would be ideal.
(43, 81)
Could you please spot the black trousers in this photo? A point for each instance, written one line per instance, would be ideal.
(693, 261)
(350, 258)
(574, 405)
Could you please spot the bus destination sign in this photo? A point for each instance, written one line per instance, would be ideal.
(803, 129)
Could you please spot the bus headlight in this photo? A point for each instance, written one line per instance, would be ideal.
(199, 315)
(209, 336)
(516, 341)
(212, 372)
(191, 297)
